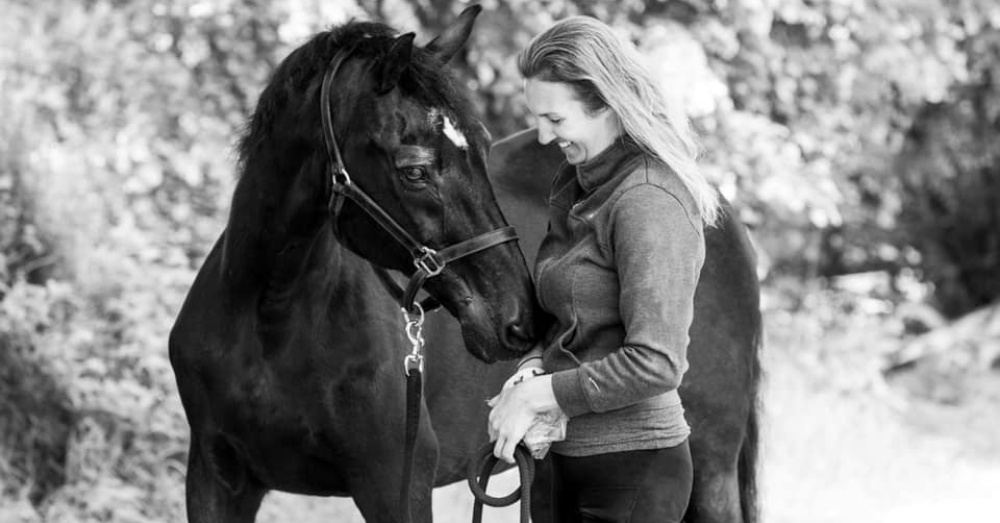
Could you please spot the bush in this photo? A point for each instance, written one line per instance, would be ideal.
(35, 412)
(949, 169)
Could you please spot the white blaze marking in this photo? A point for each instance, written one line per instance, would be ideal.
(454, 134)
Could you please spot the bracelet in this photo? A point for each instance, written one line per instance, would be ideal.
(526, 360)
(523, 375)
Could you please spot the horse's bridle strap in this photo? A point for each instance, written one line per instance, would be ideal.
(482, 242)
(352, 192)
(451, 253)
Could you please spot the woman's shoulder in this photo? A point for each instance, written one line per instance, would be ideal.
(651, 176)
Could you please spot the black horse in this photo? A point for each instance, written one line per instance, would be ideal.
(288, 348)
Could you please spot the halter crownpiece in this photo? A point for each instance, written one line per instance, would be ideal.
(427, 261)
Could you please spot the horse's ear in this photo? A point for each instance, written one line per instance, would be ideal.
(454, 36)
(390, 68)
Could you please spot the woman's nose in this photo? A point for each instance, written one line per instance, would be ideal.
(545, 134)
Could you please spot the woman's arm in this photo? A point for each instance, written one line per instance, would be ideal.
(658, 252)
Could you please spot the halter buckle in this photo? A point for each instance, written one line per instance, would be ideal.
(429, 262)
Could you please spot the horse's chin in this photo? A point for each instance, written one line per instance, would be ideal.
(482, 342)
(485, 350)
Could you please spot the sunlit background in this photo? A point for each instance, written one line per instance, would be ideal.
(858, 140)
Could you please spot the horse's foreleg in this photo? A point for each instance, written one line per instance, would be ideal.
(219, 489)
(376, 494)
(375, 484)
(378, 505)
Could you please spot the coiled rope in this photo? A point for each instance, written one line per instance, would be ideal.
(480, 468)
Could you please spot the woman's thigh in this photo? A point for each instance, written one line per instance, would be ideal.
(623, 487)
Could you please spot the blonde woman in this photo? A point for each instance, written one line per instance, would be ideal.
(618, 270)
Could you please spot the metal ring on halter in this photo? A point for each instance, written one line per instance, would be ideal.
(418, 322)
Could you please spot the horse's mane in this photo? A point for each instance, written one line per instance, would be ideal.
(425, 80)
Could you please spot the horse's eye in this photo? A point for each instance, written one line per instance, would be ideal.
(414, 174)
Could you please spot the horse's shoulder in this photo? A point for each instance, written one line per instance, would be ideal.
(195, 319)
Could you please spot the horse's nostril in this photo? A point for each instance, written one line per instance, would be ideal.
(519, 331)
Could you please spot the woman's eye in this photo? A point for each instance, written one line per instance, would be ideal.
(414, 174)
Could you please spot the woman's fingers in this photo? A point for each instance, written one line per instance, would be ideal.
(511, 416)
(507, 450)
(508, 424)
(498, 447)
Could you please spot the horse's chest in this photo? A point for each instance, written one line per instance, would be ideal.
(285, 436)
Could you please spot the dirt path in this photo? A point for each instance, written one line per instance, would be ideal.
(879, 455)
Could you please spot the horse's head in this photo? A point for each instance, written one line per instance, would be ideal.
(409, 182)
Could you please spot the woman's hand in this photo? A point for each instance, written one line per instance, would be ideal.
(525, 372)
(514, 410)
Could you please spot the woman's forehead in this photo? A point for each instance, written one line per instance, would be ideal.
(544, 97)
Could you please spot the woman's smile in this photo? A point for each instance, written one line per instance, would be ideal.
(563, 119)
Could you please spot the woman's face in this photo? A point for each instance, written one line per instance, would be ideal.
(562, 117)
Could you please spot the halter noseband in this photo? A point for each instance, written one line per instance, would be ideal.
(428, 262)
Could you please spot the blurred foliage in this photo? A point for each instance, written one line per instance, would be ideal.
(853, 135)
(949, 173)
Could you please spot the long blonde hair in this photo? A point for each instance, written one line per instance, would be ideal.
(606, 71)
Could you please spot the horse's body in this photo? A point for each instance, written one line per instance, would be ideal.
(288, 350)
(719, 391)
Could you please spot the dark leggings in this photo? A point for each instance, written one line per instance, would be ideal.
(623, 487)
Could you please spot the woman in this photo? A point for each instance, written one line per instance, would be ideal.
(618, 270)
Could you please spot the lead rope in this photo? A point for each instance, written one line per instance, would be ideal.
(413, 366)
(479, 472)
(484, 462)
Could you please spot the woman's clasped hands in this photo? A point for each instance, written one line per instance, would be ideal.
(526, 409)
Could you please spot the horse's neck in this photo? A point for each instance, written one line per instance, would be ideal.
(277, 213)
(323, 280)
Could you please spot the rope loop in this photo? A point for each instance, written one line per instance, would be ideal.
(479, 470)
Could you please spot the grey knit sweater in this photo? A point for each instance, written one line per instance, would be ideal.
(618, 270)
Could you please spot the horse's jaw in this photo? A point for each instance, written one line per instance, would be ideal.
(486, 336)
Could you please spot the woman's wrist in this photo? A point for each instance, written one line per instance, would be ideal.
(541, 396)
(534, 355)
(531, 358)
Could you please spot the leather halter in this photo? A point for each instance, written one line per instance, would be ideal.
(428, 262)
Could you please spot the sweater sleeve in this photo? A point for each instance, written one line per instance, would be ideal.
(658, 252)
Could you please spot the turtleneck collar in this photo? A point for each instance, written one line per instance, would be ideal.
(602, 167)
